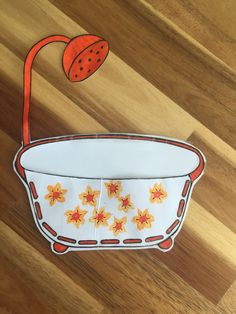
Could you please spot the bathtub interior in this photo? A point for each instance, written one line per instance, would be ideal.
(110, 158)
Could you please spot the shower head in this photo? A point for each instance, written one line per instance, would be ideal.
(83, 55)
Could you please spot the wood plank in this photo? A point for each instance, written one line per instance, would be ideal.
(195, 262)
(228, 303)
(17, 295)
(48, 279)
(211, 23)
(217, 191)
(165, 63)
(218, 237)
(10, 187)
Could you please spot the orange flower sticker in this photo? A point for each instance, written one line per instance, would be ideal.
(89, 197)
(113, 188)
(125, 203)
(100, 217)
(157, 194)
(75, 216)
(118, 226)
(56, 194)
(143, 219)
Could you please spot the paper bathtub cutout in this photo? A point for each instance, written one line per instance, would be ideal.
(104, 191)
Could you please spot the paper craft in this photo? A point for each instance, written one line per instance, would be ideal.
(104, 191)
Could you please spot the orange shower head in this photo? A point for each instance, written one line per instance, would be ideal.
(83, 55)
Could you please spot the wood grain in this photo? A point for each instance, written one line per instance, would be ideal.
(171, 71)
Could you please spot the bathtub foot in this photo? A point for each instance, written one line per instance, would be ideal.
(59, 248)
(166, 245)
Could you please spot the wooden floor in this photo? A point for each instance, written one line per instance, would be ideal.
(171, 71)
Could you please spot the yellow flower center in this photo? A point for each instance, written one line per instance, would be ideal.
(76, 216)
(89, 197)
(118, 226)
(157, 194)
(100, 217)
(55, 195)
(113, 188)
(125, 202)
(143, 218)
